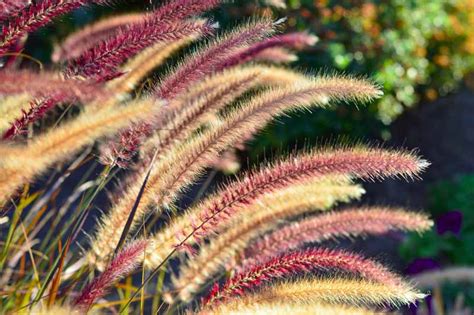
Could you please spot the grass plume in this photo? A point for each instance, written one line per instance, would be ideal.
(101, 62)
(34, 16)
(347, 223)
(252, 222)
(125, 262)
(297, 262)
(284, 308)
(336, 291)
(209, 215)
(21, 163)
(78, 42)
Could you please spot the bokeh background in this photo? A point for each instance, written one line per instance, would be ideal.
(422, 53)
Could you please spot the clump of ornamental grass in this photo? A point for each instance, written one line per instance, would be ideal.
(70, 131)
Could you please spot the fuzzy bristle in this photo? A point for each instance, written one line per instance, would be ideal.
(21, 163)
(78, 42)
(347, 223)
(336, 291)
(209, 215)
(297, 262)
(34, 16)
(210, 58)
(123, 263)
(252, 222)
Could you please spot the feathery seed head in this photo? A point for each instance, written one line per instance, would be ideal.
(125, 262)
(211, 58)
(250, 223)
(101, 62)
(355, 292)
(78, 42)
(304, 261)
(347, 223)
(34, 16)
(22, 163)
(211, 214)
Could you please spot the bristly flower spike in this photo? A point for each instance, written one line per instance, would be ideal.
(101, 62)
(206, 60)
(34, 16)
(254, 221)
(298, 40)
(165, 24)
(333, 291)
(125, 262)
(304, 261)
(49, 89)
(365, 163)
(347, 223)
(46, 83)
(78, 42)
(186, 113)
(21, 163)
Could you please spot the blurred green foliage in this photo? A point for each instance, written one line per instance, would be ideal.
(447, 248)
(416, 49)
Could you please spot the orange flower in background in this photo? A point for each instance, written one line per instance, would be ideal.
(442, 60)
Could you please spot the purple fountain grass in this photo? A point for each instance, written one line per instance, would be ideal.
(202, 108)
(331, 291)
(296, 262)
(92, 35)
(10, 7)
(212, 215)
(173, 11)
(244, 121)
(46, 83)
(49, 90)
(181, 167)
(198, 66)
(347, 223)
(251, 223)
(205, 62)
(101, 62)
(180, 117)
(38, 109)
(369, 164)
(35, 16)
(125, 262)
(298, 40)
